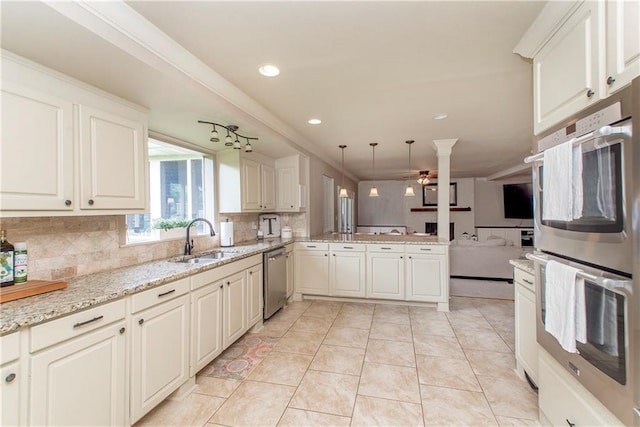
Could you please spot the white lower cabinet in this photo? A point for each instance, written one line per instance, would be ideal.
(235, 308)
(206, 325)
(385, 272)
(525, 324)
(427, 274)
(78, 369)
(347, 271)
(254, 295)
(312, 268)
(13, 377)
(290, 270)
(160, 345)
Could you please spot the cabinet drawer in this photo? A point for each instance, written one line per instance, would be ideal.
(524, 279)
(9, 347)
(311, 246)
(76, 324)
(385, 248)
(159, 294)
(347, 247)
(564, 400)
(426, 249)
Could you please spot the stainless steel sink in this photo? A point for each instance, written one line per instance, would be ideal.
(206, 258)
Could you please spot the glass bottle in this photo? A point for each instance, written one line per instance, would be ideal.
(6, 260)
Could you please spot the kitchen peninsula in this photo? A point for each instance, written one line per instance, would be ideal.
(409, 268)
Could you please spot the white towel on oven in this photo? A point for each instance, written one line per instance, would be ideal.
(562, 183)
(565, 310)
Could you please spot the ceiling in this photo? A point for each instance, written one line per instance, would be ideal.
(371, 71)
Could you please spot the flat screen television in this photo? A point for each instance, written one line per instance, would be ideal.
(518, 201)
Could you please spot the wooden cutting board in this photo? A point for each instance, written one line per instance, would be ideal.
(29, 289)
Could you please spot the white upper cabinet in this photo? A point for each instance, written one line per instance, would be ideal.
(111, 143)
(291, 177)
(245, 184)
(623, 43)
(582, 52)
(36, 150)
(268, 184)
(566, 70)
(68, 148)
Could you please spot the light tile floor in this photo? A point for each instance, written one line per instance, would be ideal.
(340, 364)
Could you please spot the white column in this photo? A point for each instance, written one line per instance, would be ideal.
(443, 148)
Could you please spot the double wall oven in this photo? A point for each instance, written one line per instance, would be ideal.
(602, 241)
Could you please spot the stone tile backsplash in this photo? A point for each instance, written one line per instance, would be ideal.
(63, 247)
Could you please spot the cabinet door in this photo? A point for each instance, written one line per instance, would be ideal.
(566, 71)
(287, 189)
(525, 328)
(113, 161)
(36, 151)
(290, 270)
(235, 308)
(254, 293)
(623, 43)
(251, 186)
(312, 272)
(206, 325)
(160, 359)
(10, 391)
(426, 277)
(81, 381)
(347, 274)
(385, 275)
(268, 187)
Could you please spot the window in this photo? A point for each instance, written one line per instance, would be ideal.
(178, 182)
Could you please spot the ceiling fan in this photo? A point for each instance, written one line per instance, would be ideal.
(425, 177)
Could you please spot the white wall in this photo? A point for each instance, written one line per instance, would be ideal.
(317, 168)
(392, 208)
(489, 204)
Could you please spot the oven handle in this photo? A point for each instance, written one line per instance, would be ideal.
(603, 282)
(603, 131)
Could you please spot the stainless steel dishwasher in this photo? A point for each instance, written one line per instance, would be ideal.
(275, 281)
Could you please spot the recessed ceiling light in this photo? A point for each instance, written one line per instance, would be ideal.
(314, 121)
(269, 70)
(440, 116)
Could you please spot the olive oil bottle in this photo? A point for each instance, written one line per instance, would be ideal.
(7, 253)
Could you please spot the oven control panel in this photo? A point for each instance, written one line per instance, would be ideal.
(587, 124)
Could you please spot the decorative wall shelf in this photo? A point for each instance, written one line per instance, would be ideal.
(452, 209)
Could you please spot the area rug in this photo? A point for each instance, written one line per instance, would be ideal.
(238, 361)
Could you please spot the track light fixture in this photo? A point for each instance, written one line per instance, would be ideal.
(228, 140)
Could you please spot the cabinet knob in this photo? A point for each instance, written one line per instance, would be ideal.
(90, 202)
(410, 258)
(221, 286)
(228, 283)
(590, 93)
(401, 257)
(140, 322)
(292, 206)
(610, 80)
(122, 330)
(334, 254)
(325, 254)
(67, 202)
(10, 377)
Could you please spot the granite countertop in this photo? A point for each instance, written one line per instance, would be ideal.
(93, 289)
(523, 264)
(411, 239)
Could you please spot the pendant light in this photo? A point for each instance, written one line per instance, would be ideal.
(214, 135)
(343, 189)
(374, 191)
(408, 192)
